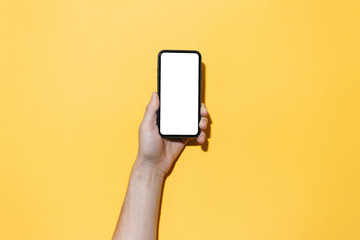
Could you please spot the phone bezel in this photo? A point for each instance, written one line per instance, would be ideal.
(158, 90)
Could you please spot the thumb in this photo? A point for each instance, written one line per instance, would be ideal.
(151, 109)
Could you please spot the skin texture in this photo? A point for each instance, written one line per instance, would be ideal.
(140, 211)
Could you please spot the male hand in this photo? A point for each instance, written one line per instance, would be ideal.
(159, 153)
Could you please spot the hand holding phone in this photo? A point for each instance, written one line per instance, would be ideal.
(157, 152)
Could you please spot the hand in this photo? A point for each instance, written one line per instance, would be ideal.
(159, 153)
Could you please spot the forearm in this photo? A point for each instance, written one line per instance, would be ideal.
(140, 211)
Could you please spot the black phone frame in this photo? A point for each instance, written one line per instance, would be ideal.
(158, 90)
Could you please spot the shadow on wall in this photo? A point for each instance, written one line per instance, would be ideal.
(193, 142)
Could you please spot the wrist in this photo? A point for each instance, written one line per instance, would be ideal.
(145, 169)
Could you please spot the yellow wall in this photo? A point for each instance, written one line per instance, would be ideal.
(282, 88)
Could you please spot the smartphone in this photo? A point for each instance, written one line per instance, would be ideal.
(179, 79)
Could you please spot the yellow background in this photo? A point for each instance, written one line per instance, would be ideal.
(282, 89)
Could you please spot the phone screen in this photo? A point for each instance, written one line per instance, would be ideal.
(179, 88)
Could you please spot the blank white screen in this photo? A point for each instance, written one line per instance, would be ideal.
(179, 93)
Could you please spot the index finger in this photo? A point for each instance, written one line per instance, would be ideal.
(203, 110)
